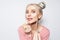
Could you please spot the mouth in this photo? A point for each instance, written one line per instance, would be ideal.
(29, 19)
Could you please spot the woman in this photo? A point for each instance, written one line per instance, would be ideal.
(32, 30)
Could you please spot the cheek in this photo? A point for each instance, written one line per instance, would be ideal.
(26, 15)
(34, 16)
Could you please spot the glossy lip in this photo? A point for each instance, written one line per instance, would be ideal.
(29, 19)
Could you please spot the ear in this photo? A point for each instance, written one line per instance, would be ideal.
(39, 17)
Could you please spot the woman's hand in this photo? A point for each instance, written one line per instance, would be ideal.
(27, 28)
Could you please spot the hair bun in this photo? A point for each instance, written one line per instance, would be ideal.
(42, 5)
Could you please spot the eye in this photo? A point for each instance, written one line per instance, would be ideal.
(33, 11)
(27, 11)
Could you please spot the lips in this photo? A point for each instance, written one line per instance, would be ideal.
(29, 19)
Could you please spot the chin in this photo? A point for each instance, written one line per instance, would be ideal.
(31, 22)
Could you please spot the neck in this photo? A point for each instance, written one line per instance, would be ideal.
(34, 26)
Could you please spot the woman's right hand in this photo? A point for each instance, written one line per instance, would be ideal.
(27, 28)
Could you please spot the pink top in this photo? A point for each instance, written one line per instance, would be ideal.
(23, 36)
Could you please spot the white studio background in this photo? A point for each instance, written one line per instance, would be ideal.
(12, 14)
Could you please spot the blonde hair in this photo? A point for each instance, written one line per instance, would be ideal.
(41, 6)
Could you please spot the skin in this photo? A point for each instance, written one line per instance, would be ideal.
(32, 15)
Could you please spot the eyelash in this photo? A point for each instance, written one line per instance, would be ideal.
(33, 11)
(28, 12)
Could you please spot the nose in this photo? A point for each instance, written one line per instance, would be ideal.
(29, 15)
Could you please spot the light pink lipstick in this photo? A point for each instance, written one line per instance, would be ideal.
(29, 19)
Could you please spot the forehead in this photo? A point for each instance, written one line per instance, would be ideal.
(32, 7)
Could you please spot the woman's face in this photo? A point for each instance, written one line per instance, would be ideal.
(32, 14)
